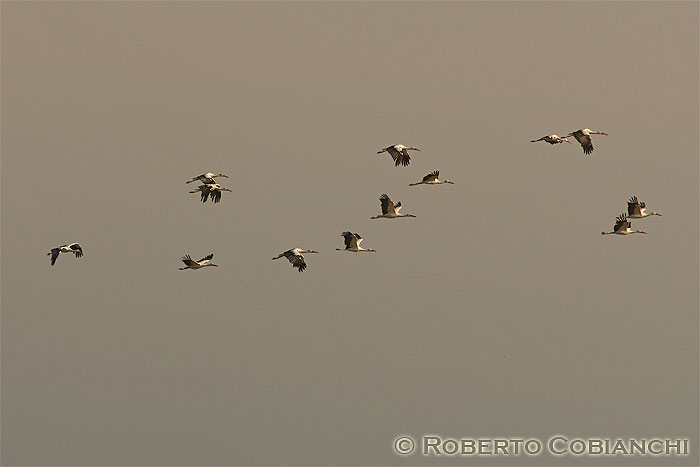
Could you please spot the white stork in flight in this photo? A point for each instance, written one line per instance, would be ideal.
(389, 209)
(636, 210)
(399, 153)
(431, 179)
(295, 257)
(583, 136)
(552, 139)
(207, 178)
(623, 227)
(352, 242)
(69, 248)
(202, 263)
(212, 190)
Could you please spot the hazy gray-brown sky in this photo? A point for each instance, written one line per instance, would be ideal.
(499, 311)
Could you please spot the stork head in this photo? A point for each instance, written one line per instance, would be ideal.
(654, 213)
(222, 175)
(449, 181)
(599, 133)
(311, 251)
(640, 231)
(413, 148)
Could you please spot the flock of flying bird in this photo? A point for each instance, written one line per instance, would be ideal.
(390, 210)
(210, 189)
(635, 208)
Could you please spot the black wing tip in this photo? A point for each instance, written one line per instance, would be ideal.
(54, 255)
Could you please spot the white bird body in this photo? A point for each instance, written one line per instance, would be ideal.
(583, 136)
(399, 153)
(623, 227)
(202, 263)
(212, 190)
(637, 209)
(352, 242)
(207, 178)
(552, 139)
(295, 257)
(431, 179)
(67, 248)
(389, 209)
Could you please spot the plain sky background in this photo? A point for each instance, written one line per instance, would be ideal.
(499, 311)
